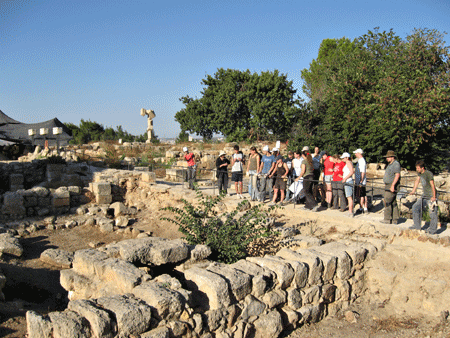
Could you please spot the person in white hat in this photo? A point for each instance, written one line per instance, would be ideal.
(191, 174)
(347, 178)
(361, 180)
(222, 164)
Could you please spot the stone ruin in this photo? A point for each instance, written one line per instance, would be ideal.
(150, 116)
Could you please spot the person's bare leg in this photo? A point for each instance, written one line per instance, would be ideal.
(281, 195)
(275, 194)
(328, 193)
(350, 204)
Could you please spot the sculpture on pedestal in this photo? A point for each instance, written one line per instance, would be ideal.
(150, 116)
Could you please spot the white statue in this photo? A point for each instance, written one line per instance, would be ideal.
(150, 116)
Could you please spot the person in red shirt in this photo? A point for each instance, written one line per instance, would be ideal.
(337, 184)
(328, 171)
(191, 172)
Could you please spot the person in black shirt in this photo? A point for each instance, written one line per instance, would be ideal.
(222, 172)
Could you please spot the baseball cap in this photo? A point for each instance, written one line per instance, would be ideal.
(358, 151)
(305, 148)
(185, 148)
(274, 149)
(344, 155)
(266, 148)
(222, 153)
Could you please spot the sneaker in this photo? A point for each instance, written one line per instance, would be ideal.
(366, 211)
(315, 209)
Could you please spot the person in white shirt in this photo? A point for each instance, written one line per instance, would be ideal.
(361, 180)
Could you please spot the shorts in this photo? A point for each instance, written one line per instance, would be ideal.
(237, 176)
(361, 191)
(328, 179)
(280, 184)
(348, 188)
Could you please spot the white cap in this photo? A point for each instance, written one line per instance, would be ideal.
(305, 148)
(274, 149)
(185, 148)
(344, 155)
(222, 153)
(358, 151)
(266, 148)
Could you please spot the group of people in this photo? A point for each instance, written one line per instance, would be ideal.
(316, 177)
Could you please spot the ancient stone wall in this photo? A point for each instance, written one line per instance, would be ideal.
(114, 291)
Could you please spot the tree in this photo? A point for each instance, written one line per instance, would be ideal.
(240, 105)
(386, 93)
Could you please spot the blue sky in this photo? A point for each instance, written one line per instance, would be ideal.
(104, 60)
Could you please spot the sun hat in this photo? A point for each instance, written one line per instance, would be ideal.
(344, 155)
(390, 153)
(358, 151)
(222, 153)
(185, 149)
(266, 148)
(305, 148)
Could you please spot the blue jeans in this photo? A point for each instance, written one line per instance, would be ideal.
(421, 204)
(253, 192)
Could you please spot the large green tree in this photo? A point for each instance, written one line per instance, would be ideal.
(385, 93)
(241, 105)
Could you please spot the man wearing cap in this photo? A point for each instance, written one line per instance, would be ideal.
(361, 180)
(191, 175)
(222, 164)
(391, 181)
(267, 164)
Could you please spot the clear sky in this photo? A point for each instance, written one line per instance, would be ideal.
(104, 60)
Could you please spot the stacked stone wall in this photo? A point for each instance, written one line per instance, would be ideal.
(255, 297)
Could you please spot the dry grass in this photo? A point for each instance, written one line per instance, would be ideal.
(392, 324)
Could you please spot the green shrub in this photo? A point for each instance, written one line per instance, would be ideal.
(225, 233)
(56, 159)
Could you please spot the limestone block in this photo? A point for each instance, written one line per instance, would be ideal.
(132, 315)
(44, 201)
(99, 320)
(106, 227)
(119, 209)
(159, 332)
(30, 201)
(38, 326)
(342, 290)
(290, 318)
(61, 198)
(16, 179)
(119, 274)
(56, 257)
(356, 252)
(210, 291)
(252, 307)
(329, 293)
(300, 271)
(79, 286)
(344, 264)
(13, 204)
(103, 199)
(40, 191)
(268, 325)
(151, 250)
(262, 278)
(74, 190)
(10, 245)
(314, 264)
(85, 261)
(311, 295)
(199, 252)
(167, 303)
(284, 272)
(121, 221)
(370, 248)
(149, 177)
(240, 283)
(102, 188)
(329, 262)
(304, 242)
(294, 298)
(275, 298)
(69, 324)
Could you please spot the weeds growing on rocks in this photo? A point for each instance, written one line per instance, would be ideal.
(228, 234)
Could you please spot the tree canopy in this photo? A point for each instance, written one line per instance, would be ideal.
(241, 105)
(380, 92)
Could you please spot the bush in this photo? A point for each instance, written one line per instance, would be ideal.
(56, 159)
(227, 235)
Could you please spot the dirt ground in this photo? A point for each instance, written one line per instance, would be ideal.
(33, 285)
